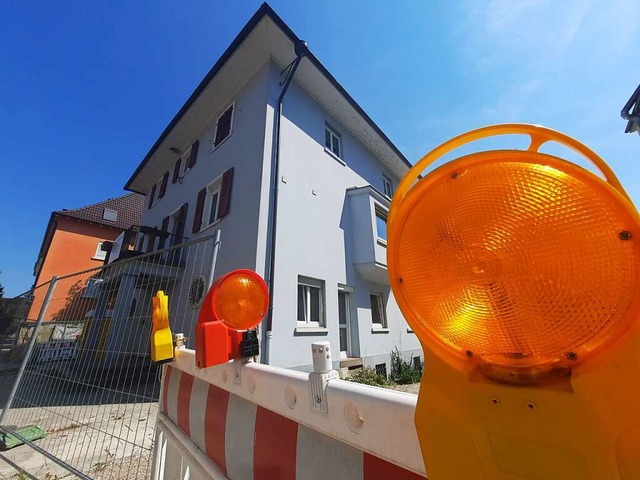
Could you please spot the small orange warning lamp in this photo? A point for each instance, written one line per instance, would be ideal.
(520, 273)
(236, 302)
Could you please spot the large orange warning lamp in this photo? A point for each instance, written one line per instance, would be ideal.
(520, 273)
(236, 302)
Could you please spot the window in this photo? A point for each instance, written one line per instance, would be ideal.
(223, 126)
(100, 254)
(332, 141)
(109, 214)
(417, 363)
(311, 301)
(185, 165)
(156, 190)
(378, 314)
(212, 203)
(381, 224)
(381, 369)
(387, 185)
(185, 162)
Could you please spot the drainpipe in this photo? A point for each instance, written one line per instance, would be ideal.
(301, 50)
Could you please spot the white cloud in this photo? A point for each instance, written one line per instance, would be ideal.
(570, 65)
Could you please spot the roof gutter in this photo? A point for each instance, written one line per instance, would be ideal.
(301, 50)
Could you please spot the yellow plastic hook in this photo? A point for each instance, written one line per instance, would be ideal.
(161, 338)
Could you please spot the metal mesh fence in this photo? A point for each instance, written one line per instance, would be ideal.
(88, 380)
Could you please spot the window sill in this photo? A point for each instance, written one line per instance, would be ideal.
(300, 330)
(98, 259)
(379, 330)
(210, 225)
(382, 242)
(335, 157)
(410, 331)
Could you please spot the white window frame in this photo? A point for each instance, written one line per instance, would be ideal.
(333, 134)
(213, 188)
(387, 186)
(100, 254)
(382, 212)
(232, 105)
(184, 164)
(308, 283)
(383, 324)
(171, 239)
(156, 193)
(348, 292)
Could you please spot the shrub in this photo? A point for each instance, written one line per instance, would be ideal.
(368, 376)
(403, 372)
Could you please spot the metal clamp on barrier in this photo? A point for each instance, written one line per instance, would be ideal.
(322, 373)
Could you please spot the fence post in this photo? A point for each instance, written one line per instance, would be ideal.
(32, 341)
(214, 259)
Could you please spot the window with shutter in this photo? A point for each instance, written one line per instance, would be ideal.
(225, 193)
(163, 184)
(223, 126)
(151, 195)
(157, 188)
(197, 218)
(180, 222)
(176, 171)
(193, 154)
(217, 198)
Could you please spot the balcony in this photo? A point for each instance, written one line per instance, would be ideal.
(140, 239)
(368, 209)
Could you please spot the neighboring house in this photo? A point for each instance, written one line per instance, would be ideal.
(73, 242)
(212, 169)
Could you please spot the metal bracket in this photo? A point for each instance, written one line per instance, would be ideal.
(321, 375)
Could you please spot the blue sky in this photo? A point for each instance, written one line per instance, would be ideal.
(87, 87)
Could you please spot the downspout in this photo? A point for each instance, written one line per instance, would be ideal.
(301, 50)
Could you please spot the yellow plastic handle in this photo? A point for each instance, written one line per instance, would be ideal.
(539, 136)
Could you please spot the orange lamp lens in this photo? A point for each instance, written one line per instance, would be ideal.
(240, 299)
(516, 259)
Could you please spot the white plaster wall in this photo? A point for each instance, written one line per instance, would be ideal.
(315, 230)
(243, 150)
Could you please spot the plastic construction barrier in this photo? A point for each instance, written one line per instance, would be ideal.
(217, 423)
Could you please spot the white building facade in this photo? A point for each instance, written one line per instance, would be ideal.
(212, 168)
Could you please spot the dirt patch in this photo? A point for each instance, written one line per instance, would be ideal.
(129, 468)
(412, 388)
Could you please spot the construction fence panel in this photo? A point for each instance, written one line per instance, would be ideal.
(87, 379)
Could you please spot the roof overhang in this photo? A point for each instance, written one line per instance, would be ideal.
(264, 37)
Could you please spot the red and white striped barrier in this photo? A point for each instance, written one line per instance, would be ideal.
(256, 422)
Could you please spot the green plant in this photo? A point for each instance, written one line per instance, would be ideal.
(404, 372)
(368, 376)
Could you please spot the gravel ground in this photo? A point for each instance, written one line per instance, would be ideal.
(122, 470)
(106, 440)
(412, 388)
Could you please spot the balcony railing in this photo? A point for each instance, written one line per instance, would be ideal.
(141, 239)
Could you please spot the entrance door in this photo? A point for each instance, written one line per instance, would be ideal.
(344, 310)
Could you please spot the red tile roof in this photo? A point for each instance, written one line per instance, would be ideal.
(128, 207)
